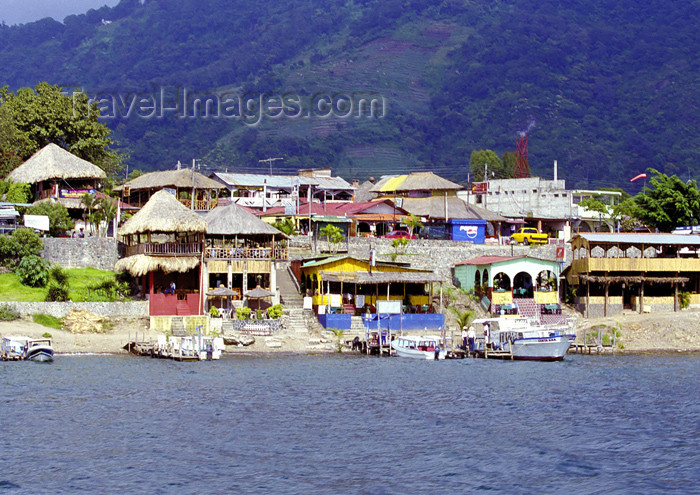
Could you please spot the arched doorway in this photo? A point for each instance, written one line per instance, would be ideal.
(546, 280)
(363, 229)
(522, 285)
(477, 282)
(485, 278)
(501, 282)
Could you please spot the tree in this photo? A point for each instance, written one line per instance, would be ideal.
(286, 226)
(108, 207)
(89, 203)
(668, 202)
(33, 118)
(412, 223)
(334, 236)
(479, 158)
(23, 242)
(19, 193)
(594, 204)
(59, 220)
(509, 160)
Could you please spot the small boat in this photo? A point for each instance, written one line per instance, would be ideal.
(418, 347)
(39, 350)
(210, 348)
(528, 339)
(13, 347)
(20, 348)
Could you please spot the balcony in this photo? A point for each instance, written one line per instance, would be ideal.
(166, 249)
(264, 253)
(200, 204)
(588, 265)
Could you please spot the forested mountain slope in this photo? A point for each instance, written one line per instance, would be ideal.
(608, 88)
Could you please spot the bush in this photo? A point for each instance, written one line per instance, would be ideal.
(684, 299)
(47, 320)
(19, 193)
(275, 311)
(214, 312)
(112, 289)
(23, 242)
(33, 271)
(59, 220)
(56, 292)
(7, 313)
(243, 313)
(58, 274)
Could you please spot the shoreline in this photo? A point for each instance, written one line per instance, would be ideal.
(659, 333)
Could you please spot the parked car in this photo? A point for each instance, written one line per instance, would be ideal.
(399, 234)
(528, 235)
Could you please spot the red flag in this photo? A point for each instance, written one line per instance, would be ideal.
(640, 176)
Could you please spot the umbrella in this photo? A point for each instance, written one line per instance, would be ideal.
(221, 292)
(258, 293)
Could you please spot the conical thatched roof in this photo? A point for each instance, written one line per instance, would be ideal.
(53, 162)
(232, 219)
(417, 181)
(171, 178)
(163, 213)
(140, 264)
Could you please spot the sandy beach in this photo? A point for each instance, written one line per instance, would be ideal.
(638, 333)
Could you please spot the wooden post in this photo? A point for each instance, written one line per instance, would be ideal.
(675, 296)
(588, 298)
(605, 306)
(641, 295)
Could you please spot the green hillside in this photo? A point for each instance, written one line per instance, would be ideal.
(606, 88)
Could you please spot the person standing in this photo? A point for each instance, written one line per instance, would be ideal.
(487, 335)
(465, 336)
(471, 335)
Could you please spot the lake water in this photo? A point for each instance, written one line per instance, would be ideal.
(288, 424)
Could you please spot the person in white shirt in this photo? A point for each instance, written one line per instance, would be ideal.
(465, 336)
(471, 335)
(487, 335)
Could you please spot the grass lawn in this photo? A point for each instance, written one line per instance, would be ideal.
(79, 281)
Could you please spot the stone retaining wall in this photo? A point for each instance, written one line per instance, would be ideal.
(61, 309)
(95, 252)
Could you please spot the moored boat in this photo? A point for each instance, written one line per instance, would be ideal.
(528, 340)
(418, 347)
(40, 350)
(13, 347)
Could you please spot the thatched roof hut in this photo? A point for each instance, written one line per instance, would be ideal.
(178, 179)
(141, 264)
(164, 213)
(417, 181)
(234, 220)
(53, 162)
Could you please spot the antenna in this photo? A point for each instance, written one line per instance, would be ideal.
(269, 161)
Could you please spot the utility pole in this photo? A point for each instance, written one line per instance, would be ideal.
(269, 161)
(193, 191)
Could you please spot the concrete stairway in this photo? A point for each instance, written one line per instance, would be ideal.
(297, 322)
(177, 327)
(289, 294)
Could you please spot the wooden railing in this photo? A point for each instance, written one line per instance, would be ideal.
(200, 204)
(266, 253)
(166, 249)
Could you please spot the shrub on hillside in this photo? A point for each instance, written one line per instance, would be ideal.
(19, 193)
(56, 292)
(7, 313)
(58, 274)
(33, 271)
(23, 242)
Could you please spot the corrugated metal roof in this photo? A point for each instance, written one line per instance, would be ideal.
(487, 260)
(281, 181)
(641, 238)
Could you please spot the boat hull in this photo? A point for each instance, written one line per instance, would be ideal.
(416, 354)
(41, 357)
(541, 348)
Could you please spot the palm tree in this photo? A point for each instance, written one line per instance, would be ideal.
(412, 223)
(89, 203)
(464, 318)
(109, 210)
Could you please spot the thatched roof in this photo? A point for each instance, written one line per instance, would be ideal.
(221, 292)
(163, 213)
(171, 178)
(257, 293)
(434, 207)
(417, 181)
(141, 264)
(363, 277)
(232, 219)
(53, 162)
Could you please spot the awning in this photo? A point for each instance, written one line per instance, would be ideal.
(364, 277)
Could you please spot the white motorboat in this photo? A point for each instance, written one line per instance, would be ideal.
(418, 347)
(39, 350)
(210, 348)
(528, 339)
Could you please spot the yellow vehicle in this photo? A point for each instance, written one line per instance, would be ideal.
(528, 235)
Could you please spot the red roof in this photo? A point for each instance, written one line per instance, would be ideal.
(316, 209)
(488, 260)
